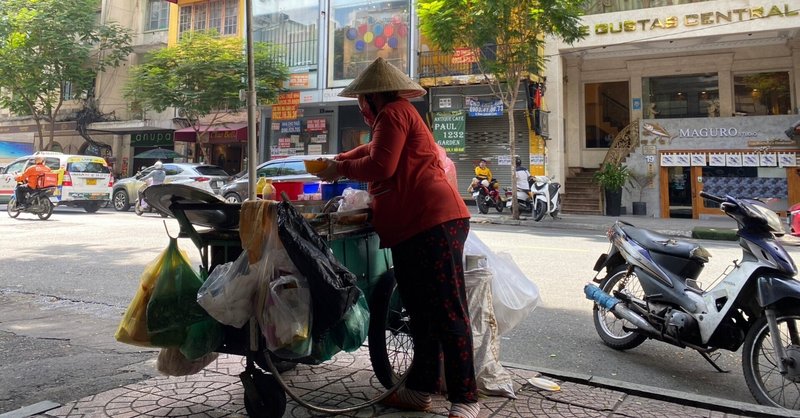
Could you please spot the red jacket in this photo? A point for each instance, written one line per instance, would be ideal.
(410, 192)
(32, 174)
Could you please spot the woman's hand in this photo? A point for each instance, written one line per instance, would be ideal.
(331, 172)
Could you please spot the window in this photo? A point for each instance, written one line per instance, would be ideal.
(362, 31)
(690, 96)
(157, 15)
(607, 112)
(293, 168)
(295, 27)
(219, 15)
(269, 170)
(762, 94)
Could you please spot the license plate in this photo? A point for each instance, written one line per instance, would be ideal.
(91, 182)
(508, 203)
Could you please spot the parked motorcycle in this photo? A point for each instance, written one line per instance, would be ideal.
(487, 194)
(543, 198)
(651, 290)
(38, 203)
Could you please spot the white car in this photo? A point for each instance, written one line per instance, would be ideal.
(203, 176)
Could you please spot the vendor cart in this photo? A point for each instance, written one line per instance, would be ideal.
(212, 226)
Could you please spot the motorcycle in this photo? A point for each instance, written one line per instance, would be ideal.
(38, 203)
(141, 206)
(487, 194)
(650, 290)
(543, 198)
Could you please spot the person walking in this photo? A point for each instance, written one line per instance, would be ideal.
(402, 165)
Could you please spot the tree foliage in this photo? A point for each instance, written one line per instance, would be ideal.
(508, 38)
(202, 76)
(47, 46)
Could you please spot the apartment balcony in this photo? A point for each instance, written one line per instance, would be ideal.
(437, 68)
(151, 40)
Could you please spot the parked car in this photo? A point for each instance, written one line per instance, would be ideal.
(84, 181)
(279, 170)
(793, 219)
(203, 176)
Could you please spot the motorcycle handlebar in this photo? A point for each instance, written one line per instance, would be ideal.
(709, 196)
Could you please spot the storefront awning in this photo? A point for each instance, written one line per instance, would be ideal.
(217, 134)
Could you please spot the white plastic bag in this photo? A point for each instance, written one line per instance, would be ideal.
(514, 296)
(286, 317)
(491, 378)
(229, 292)
(353, 199)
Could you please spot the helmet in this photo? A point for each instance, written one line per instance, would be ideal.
(158, 165)
(38, 159)
(518, 160)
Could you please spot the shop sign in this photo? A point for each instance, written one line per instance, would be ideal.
(284, 112)
(448, 130)
(690, 20)
(146, 139)
(298, 80)
(289, 98)
(290, 127)
(317, 125)
(464, 56)
(478, 107)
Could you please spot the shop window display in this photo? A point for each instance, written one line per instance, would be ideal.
(362, 31)
(762, 94)
(689, 96)
(295, 26)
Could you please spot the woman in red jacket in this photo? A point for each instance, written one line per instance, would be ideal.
(422, 218)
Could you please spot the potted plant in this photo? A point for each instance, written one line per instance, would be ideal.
(612, 178)
(639, 182)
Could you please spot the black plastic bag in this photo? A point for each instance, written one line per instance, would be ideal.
(333, 287)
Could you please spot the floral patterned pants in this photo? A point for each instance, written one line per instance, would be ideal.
(430, 278)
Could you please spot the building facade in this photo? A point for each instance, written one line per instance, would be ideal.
(709, 89)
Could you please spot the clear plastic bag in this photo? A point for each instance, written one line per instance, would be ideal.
(172, 362)
(514, 296)
(353, 199)
(286, 317)
(229, 292)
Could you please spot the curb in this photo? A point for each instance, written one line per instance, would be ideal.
(666, 395)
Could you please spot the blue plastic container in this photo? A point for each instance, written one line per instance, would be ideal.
(310, 188)
(331, 190)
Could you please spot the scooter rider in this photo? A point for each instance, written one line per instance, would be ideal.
(29, 179)
(482, 172)
(155, 176)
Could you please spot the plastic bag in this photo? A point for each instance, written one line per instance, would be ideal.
(490, 376)
(353, 199)
(133, 327)
(286, 317)
(514, 296)
(228, 293)
(347, 335)
(449, 167)
(333, 287)
(172, 363)
(173, 307)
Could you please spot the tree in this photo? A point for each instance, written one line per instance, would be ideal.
(508, 38)
(202, 76)
(51, 51)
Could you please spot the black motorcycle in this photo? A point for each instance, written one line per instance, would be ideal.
(38, 203)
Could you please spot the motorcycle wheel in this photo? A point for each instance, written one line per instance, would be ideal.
(499, 205)
(482, 206)
(539, 208)
(138, 208)
(11, 207)
(760, 366)
(554, 213)
(45, 209)
(608, 326)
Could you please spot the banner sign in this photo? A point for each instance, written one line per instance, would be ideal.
(290, 127)
(478, 107)
(448, 130)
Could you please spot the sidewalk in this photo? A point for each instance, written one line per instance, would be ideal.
(347, 380)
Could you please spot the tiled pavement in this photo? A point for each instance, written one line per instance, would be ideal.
(348, 380)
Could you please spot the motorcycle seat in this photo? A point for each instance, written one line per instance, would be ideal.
(665, 244)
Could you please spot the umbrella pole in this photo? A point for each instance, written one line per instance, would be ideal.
(252, 151)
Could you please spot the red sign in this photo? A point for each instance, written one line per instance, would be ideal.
(464, 56)
(316, 125)
(290, 98)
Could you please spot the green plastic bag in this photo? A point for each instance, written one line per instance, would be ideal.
(173, 308)
(348, 334)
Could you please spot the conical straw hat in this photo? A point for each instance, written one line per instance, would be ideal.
(381, 76)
